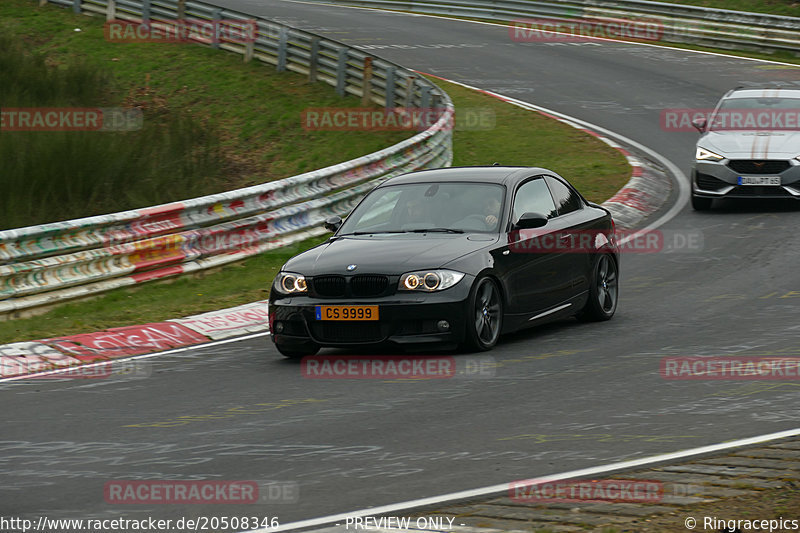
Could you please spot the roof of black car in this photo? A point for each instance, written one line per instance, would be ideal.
(487, 174)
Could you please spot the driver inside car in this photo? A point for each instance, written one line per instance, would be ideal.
(485, 219)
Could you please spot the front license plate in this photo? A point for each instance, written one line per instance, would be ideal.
(347, 312)
(759, 180)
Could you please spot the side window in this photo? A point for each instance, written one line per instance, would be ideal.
(534, 197)
(566, 199)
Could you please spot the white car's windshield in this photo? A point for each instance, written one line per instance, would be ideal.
(762, 113)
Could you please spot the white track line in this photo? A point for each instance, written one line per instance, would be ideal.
(495, 489)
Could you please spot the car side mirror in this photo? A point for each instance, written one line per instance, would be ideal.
(531, 220)
(700, 124)
(333, 223)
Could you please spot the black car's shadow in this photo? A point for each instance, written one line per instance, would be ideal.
(509, 340)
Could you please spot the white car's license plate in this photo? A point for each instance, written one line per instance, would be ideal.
(759, 180)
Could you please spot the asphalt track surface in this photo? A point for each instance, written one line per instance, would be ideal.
(564, 396)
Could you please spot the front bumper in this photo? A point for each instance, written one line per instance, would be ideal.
(712, 179)
(405, 319)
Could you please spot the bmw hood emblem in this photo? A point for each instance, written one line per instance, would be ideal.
(350, 268)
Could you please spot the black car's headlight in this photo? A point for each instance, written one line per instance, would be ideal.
(701, 154)
(429, 280)
(290, 283)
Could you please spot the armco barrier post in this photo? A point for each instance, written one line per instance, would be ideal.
(76, 6)
(390, 87)
(145, 10)
(409, 91)
(248, 48)
(313, 60)
(341, 72)
(366, 84)
(181, 9)
(425, 96)
(216, 17)
(283, 41)
(111, 10)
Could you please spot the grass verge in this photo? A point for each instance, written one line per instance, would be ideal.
(595, 168)
(250, 112)
(789, 8)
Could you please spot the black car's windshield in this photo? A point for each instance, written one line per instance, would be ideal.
(434, 207)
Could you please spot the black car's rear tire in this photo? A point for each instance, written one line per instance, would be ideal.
(484, 316)
(603, 290)
(701, 204)
(296, 351)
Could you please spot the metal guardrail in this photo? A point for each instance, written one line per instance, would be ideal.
(719, 28)
(41, 265)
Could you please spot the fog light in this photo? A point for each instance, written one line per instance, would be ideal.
(443, 325)
(278, 327)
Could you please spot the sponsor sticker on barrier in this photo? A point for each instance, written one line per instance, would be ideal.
(157, 224)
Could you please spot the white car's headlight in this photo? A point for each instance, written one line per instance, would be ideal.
(707, 155)
(429, 280)
(290, 283)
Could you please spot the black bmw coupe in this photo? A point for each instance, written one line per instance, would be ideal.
(452, 256)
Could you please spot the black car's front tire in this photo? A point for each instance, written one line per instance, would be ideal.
(296, 351)
(603, 290)
(484, 315)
